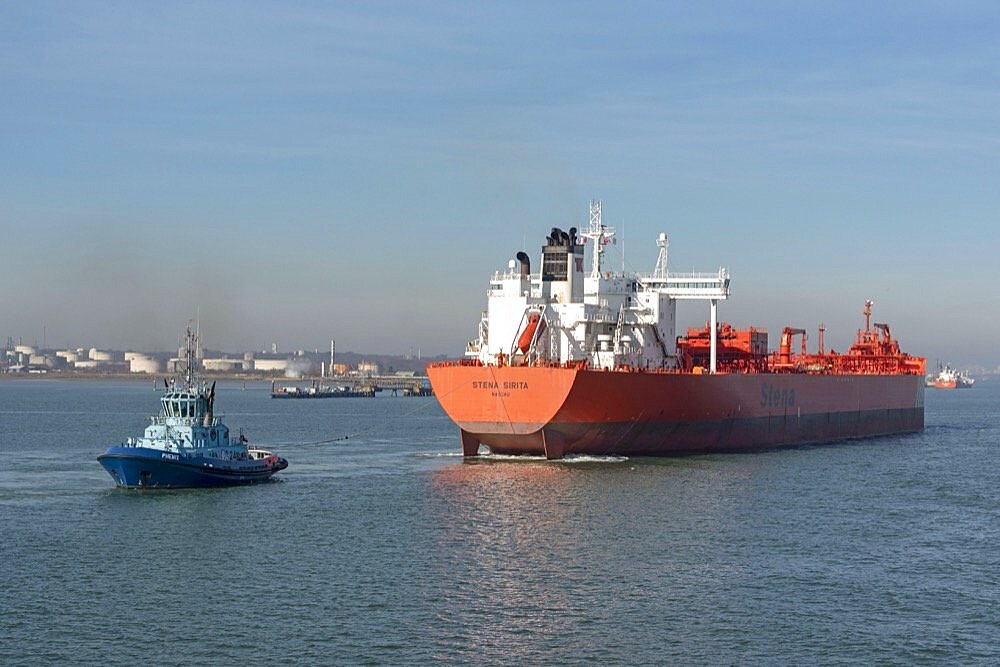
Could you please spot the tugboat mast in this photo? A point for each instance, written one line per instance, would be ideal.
(189, 357)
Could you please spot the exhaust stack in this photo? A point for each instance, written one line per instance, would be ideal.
(525, 261)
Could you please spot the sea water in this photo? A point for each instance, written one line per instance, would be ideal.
(381, 545)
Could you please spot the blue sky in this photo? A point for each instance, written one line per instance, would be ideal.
(307, 171)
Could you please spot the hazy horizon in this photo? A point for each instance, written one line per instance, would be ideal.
(301, 172)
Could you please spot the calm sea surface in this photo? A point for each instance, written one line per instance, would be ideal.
(387, 548)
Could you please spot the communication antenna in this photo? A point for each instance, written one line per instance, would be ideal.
(189, 355)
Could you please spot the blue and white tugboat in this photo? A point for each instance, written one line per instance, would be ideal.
(186, 445)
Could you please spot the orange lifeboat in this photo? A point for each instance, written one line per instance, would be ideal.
(535, 323)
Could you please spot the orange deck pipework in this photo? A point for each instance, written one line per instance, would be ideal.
(785, 349)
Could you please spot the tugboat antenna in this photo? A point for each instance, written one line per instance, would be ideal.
(189, 354)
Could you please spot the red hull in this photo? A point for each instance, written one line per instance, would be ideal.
(558, 411)
(945, 384)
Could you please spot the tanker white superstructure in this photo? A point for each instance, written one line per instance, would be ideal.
(609, 320)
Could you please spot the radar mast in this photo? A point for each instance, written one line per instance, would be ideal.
(599, 234)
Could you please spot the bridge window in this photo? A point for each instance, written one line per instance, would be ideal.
(554, 264)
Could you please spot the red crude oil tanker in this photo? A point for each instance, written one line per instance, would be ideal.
(568, 363)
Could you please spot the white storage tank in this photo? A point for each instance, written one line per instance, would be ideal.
(41, 360)
(270, 364)
(368, 368)
(99, 355)
(70, 356)
(140, 363)
(24, 349)
(222, 365)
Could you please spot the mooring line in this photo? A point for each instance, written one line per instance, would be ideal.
(355, 434)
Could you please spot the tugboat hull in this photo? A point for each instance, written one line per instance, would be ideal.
(138, 467)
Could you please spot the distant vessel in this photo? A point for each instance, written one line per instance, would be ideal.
(949, 378)
(569, 363)
(945, 378)
(186, 445)
(317, 390)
